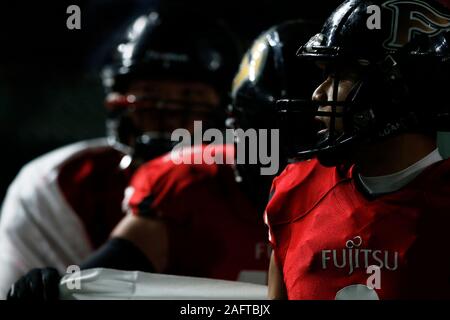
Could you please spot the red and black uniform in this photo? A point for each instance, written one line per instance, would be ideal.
(214, 230)
(60, 208)
(326, 234)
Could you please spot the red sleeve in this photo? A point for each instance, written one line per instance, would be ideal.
(163, 192)
(294, 193)
(163, 189)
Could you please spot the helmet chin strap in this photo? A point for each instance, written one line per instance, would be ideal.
(332, 128)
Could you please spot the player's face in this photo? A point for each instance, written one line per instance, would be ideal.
(348, 78)
(170, 105)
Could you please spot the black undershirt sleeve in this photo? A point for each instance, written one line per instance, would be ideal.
(119, 254)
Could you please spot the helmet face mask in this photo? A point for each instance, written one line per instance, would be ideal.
(391, 89)
(150, 110)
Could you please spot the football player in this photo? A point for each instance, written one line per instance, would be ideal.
(169, 71)
(203, 219)
(367, 216)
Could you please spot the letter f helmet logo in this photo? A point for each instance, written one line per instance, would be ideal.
(411, 18)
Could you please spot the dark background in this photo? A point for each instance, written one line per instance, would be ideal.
(50, 93)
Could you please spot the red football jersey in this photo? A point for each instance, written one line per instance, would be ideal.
(214, 230)
(333, 242)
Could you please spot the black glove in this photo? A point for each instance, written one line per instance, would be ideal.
(38, 284)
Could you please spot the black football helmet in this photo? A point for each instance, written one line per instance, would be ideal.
(176, 47)
(270, 71)
(400, 51)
